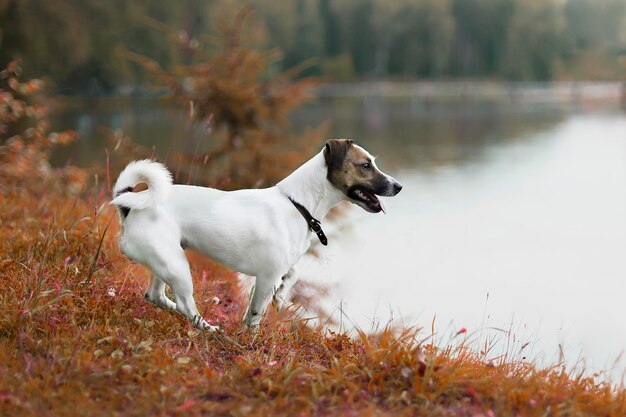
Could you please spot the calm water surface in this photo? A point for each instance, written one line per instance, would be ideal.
(510, 219)
(511, 223)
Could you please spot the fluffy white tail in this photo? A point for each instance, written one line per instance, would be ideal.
(154, 174)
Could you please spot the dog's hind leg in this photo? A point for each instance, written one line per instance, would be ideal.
(281, 296)
(261, 296)
(155, 294)
(171, 266)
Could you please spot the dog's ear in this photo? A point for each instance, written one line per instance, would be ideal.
(335, 151)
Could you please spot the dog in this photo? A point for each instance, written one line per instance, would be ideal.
(258, 232)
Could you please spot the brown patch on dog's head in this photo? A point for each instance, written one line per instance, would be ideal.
(352, 170)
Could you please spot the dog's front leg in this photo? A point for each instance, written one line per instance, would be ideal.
(261, 296)
(281, 296)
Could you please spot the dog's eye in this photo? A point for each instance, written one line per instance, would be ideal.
(366, 166)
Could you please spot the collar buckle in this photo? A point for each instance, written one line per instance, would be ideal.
(313, 224)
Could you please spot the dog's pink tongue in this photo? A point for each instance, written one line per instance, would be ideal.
(382, 206)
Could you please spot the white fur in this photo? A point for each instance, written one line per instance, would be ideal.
(157, 177)
(254, 231)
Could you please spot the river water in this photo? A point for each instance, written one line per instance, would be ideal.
(511, 223)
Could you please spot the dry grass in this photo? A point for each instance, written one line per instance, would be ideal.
(77, 338)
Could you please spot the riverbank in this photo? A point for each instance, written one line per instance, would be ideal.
(558, 92)
(79, 339)
(540, 92)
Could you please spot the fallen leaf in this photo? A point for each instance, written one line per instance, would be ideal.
(186, 405)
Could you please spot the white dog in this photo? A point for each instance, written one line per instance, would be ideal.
(259, 232)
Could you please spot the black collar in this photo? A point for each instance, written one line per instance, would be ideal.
(312, 222)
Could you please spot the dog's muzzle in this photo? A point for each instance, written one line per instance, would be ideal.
(367, 197)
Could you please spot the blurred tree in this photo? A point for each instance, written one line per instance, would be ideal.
(76, 42)
(592, 23)
(534, 41)
(308, 38)
(390, 20)
(480, 40)
(330, 25)
(593, 29)
(425, 48)
(242, 107)
(280, 23)
(26, 140)
(338, 68)
(337, 62)
(64, 45)
(360, 35)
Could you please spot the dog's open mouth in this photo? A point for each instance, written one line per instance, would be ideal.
(366, 199)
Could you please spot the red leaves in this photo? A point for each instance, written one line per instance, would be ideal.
(338, 342)
(338, 346)
(24, 158)
(186, 405)
(8, 398)
(421, 361)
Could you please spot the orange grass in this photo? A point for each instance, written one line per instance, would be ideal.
(77, 338)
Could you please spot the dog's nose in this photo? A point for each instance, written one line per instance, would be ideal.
(397, 187)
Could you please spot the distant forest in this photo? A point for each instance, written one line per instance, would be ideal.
(82, 46)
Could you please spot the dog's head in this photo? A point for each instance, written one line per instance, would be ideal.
(352, 170)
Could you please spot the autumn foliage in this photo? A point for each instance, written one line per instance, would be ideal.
(229, 90)
(25, 137)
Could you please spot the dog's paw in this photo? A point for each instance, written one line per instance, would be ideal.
(251, 328)
(201, 324)
(251, 323)
(212, 329)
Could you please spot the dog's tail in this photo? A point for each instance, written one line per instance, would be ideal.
(141, 184)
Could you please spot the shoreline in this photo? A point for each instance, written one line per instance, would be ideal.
(542, 92)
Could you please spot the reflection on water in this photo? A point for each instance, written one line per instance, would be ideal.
(511, 217)
(525, 233)
(145, 122)
(426, 135)
(412, 134)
